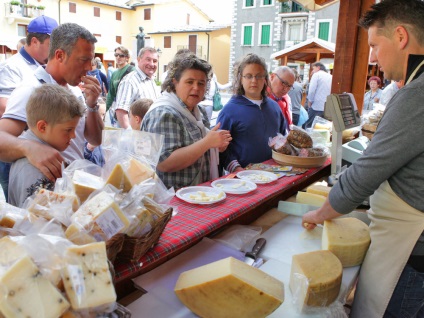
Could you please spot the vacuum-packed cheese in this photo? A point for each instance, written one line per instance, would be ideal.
(10, 252)
(26, 293)
(45, 199)
(347, 238)
(85, 184)
(310, 198)
(318, 189)
(86, 277)
(229, 288)
(126, 176)
(315, 278)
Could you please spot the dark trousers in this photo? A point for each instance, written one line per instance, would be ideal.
(4, 176)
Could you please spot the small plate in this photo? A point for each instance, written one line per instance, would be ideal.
(234, 186)
(257, 176)
(201, 195)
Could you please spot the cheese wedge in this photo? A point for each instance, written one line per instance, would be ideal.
(86, 277)
(100, 217)
(44, 199)
(310, 198)
(25, 293)
(10, 252)
(348, 239)
(85, 184)
(229, 288)
(125, 177)
(318, 189)
(315, 279)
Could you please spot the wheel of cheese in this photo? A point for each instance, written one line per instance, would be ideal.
(315, 279)
(348, 239)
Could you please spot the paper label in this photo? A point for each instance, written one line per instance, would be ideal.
(143, 147)
(110, 223)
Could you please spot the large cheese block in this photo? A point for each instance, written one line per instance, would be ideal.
(347, 238)
(100, 217)
(125, 176)
(229, 288)
(319, 189)
(45, 203)
(310, 198)
(26, 293)
(86, 277)
(315, 279)
(85, 184)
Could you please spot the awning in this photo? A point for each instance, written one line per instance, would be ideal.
(308, 51)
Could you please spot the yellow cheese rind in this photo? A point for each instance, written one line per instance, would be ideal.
(315, 279)
(310, 198)
(348, 239)
(318, 189)
(86, 277)
(229, 288)
(125, 177)
(25, 293)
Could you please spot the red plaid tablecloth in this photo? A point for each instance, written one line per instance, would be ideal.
(194, 221)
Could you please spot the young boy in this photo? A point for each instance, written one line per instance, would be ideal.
(137, 111)
(53, 113)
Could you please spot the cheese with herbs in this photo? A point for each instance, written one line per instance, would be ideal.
(229, 288)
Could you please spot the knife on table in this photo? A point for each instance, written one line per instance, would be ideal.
(250, 257)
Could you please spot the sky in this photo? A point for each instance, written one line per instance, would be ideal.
(219, 10)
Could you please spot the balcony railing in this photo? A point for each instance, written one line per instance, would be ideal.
(22, 11)
(290, 6)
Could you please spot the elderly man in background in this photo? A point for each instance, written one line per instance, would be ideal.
(296, 98)
(281, 82)
(319, 89)
(138, 84)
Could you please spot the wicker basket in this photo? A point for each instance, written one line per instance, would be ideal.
(134, 248)
(114, 246)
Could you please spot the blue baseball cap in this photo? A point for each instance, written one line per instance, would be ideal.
(42, 24)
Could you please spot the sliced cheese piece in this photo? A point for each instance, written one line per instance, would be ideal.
(100, 217)
(315, 279)
(318, 189)
(86, 277)
(45, 199)
(25, 293)
(85, 184)
(10, 214)
(348, 239)
(125, 177)
(10, 252)
(229, 288)
(310, 198)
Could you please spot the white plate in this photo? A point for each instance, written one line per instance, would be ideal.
(201, 195)
(234, 186)
(257, 176)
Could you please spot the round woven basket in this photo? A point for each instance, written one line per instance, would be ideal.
(302, 162)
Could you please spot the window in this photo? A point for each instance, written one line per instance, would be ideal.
(265, 34)
(96, 11)
(147, 14)
(248, 3)
(167, 42)
(118, 15)
(266, 2)
(247, 35)
(22, 30)
(188, 19)
(294, 32)
(118, 39)
(72, 7)
(323, 30)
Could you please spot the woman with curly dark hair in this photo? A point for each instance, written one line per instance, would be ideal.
(189, 145)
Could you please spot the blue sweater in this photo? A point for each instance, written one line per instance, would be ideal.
(251, 127)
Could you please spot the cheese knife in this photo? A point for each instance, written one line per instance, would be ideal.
(250, 257)
(297, 209)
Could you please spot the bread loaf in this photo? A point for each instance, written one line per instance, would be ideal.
(299, 139)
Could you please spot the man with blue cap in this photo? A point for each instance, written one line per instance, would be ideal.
(33, 54)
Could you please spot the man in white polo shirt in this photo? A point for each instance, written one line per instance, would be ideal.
(138, 84)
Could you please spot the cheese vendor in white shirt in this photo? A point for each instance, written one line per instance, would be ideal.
(391, 281)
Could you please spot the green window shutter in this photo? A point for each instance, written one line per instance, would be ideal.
(267, 2)
(265, 35)
(324, 30)
(247, 40)
(249, 3)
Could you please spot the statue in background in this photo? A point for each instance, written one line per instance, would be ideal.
(140, 39)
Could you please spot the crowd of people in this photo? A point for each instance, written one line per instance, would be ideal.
(53, 87)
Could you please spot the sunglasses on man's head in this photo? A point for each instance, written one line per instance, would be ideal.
(120, 55)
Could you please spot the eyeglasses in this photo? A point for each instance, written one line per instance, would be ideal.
(250, 77)
(285, 84)
(120, 55)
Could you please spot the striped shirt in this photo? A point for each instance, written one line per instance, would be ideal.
(134, 86)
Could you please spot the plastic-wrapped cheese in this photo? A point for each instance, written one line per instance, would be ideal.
(25, 293)
(10, 252)
(44, 200)
(85, 184)
(348, 239)
(315, 279)
(86, 277)
(229, 288)
(310, 198)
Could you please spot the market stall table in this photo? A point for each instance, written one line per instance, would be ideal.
(193, 221)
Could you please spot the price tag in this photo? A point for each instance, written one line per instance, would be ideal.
(143, 147)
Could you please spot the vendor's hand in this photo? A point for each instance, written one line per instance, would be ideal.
(311, 219)
(218, 138)
(45, 158)
(92, 90)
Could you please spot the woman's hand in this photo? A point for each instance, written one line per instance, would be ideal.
(218, 138)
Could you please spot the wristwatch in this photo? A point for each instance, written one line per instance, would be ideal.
(94, 109)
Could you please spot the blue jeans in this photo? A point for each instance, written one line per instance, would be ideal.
(4, 176)
(312, 113)
(408, 297)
